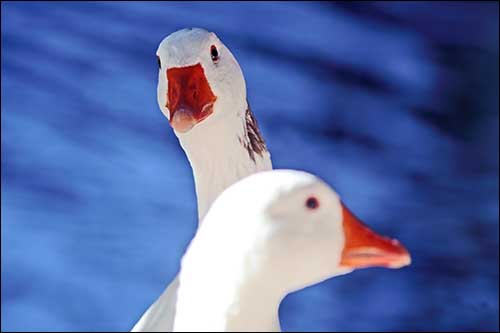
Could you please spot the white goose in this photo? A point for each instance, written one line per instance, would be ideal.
(268, 235)
(202, 92)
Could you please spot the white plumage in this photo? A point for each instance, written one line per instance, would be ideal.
(262, 239)
(273, 232)
(223, 148)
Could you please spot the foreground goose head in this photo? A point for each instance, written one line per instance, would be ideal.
(266, 236)
(202, 92)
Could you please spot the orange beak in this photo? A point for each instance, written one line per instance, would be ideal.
(365, 248)
(190, 99)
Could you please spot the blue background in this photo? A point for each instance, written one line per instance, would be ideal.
(393, 104)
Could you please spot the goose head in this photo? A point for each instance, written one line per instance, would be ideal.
(296, 231)
(268, 235)
(313, 236)
(199, 80)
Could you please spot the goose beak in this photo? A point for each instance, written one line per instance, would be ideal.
(365, 248)
(190, 99)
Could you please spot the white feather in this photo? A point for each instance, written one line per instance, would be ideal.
(258, 242)
(214, 147)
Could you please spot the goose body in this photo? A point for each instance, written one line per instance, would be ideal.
(270, 234)
(202, 92)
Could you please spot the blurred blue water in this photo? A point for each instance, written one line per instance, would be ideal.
(394, 104)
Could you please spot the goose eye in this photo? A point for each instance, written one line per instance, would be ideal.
(312, 203)
(159, 61)
(214, 54)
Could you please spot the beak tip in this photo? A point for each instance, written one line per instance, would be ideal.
(403, 260)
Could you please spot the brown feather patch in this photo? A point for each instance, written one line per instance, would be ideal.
(254, 143)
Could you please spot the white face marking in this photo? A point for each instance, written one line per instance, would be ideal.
(189, 47)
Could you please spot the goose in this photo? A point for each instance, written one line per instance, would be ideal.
(268, 235)
(202, 92)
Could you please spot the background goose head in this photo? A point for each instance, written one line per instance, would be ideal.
(202, 92)
(199, 80)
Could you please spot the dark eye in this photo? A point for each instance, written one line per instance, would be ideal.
(159, 61)
(312, 203)
(214, 53)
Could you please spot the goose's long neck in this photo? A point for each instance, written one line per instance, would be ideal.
(223, 306)
(255, 309)
(223, 152)
(219, 291)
